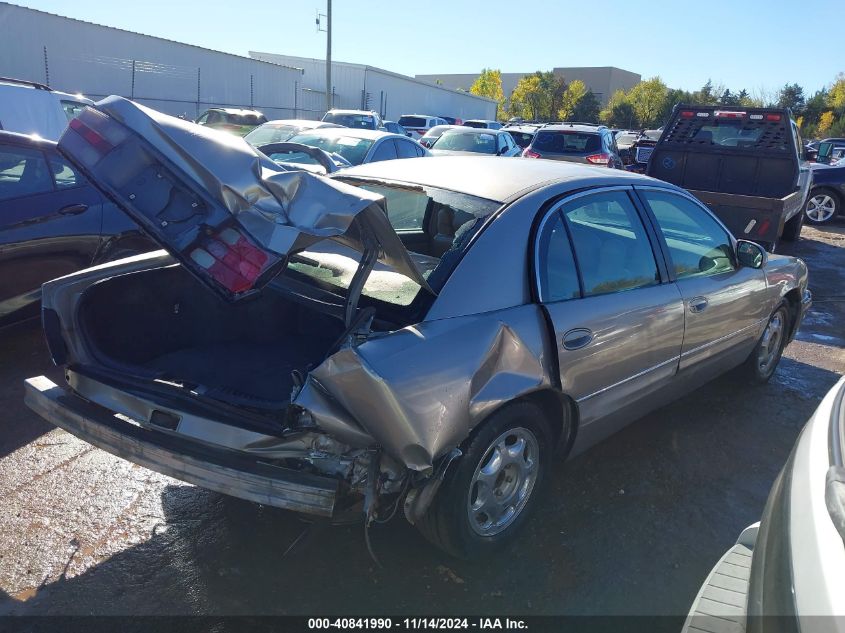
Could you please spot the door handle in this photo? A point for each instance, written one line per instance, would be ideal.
(577, 338)
(73, 209)
(697, 304)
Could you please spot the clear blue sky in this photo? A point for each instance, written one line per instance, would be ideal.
(751, 44)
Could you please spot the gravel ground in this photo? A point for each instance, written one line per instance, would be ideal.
(630, 527)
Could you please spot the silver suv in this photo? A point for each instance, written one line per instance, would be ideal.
(358, 119)
(577, 143)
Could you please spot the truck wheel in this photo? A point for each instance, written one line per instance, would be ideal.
(822, 206)
(488, 495)
(764, 358)
(792, 228)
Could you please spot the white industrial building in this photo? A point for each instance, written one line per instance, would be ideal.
(358, 86)
(182, 79)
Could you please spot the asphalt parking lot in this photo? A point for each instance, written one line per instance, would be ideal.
(630, 527)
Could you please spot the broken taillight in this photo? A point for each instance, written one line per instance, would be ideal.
(231, 259)
(93, 135)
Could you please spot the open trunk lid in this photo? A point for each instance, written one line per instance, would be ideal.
(228, 213)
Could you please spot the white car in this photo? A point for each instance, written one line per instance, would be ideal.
(789, 569)
(29, 107)
(356, 119)
(418, 124)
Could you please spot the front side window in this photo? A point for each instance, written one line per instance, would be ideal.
(697, 244)
(611, 244)
(23, 172)
(406, 149)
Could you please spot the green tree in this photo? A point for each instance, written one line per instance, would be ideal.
(648, 99)
(572, 95)
(619, 112)
(836, 94)
(489, 84)
(527, 98)
(791, 96)
(587, 109)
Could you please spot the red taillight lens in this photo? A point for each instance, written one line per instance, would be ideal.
(527, 153)
(687, 114)
(599, 159)
(772, 117)
(764, 227)
(231, 259)
(91, 136)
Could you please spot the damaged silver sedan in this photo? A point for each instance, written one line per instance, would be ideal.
(424, 335)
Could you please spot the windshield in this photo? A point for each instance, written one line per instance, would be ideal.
(270, 133)
(359, 121)
(417, 213)
(349, 147)
(476, 124)
(566, 142)
(467, 142)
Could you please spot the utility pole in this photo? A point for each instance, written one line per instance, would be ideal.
(328, 55)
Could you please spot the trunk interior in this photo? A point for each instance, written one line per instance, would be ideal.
(163, 324)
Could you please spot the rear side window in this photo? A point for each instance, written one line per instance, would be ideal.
(63, 174)
(23, 172)
(558, 275)
(698, 245)
(566, 142)
(406, 149)
(385, 151)
(611, 245)
(413, 121)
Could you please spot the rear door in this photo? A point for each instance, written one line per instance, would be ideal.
(726, 306)
(618, 323)
(50, 224)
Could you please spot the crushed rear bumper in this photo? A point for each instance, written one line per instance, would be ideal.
(221, 470)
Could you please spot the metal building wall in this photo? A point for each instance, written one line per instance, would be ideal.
(75, 56)
(357, 86)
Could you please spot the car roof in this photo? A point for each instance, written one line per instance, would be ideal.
(355, 132)
(572, 127)
(28, 140)
(465, 129)
(235, 111)
(443, 127)
(300, 122)
(479, 121)
(492, 177)
(425, 116)
(527, 129)
(341, 111)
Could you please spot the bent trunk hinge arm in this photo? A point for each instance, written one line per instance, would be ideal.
(368, 260)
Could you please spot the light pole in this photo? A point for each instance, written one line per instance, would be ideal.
(328, 55)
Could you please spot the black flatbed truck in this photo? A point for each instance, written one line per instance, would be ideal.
(747, 164)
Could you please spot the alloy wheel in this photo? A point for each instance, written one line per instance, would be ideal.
(767, 355)
(503, 481)
(820, 208)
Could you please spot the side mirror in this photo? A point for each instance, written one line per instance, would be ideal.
(824, 152)
(751, 254)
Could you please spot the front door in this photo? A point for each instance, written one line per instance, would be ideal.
(618, 325)
(726, 305)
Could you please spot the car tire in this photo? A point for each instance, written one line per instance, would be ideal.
(764, 358)
(822, 206)
(792, 228)
(514, 446)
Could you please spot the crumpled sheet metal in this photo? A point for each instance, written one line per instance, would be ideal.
(285, 211)
(419, 391)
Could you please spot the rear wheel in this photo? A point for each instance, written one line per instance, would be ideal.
(764, 359)
(486, 498)
(792, 228)
(822, 206)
